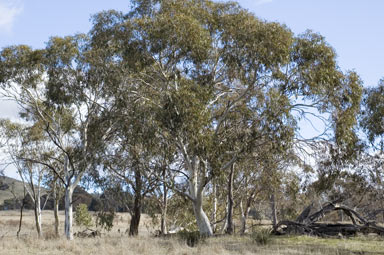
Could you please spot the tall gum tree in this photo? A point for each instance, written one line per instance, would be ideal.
(25, 142)
(372, 123)
(60, 87)
(214, 73)
(211, 73)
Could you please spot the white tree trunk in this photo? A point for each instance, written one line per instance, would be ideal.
(71, 183)
(244, 216)
(164, 209)
(214, 211)
(196, 190)
(68, 213)
(38, 215)
(202, 220)
(224, 226)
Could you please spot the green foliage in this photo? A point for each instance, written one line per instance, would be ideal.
(204, 81)
(180, 213)
(82, 216)
(373, 112)
(105, 220)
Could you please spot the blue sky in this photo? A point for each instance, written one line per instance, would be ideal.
(353, 27)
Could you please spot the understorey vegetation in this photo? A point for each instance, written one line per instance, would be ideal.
(195, 113)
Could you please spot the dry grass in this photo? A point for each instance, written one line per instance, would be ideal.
(117, 242)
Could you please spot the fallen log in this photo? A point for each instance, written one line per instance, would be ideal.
(307, 223)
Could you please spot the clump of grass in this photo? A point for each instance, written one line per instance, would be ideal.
(262, 236)
(191, 238)
(50, 234)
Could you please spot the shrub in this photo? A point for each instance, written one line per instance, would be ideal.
(261, 236)
(82, 216)
(105, 220)
(191, 238)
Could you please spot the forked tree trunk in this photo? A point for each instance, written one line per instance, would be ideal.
(229, 229)
(196, 190)
(201, 219)
(68, 228)
(33, 190)
(245, 211)
(244, 216)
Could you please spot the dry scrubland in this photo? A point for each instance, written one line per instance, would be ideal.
(119, 243)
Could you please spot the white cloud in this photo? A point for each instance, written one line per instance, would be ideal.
(8, 11)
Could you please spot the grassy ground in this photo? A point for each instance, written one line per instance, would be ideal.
(117, 242)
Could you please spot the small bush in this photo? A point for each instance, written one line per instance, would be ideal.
(105, 220)
(261, 236)
(82, 216)
(191, 238)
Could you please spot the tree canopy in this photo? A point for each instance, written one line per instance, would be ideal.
(176, 93)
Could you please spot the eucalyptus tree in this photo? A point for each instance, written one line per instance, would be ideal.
(132, 167)
(211, 77)
(260, 177)
(61, 88)
(25, 142)
(372, 124)
(138, 153)
(138, 156)
(219, 81)
(372, 120)
(53, 182)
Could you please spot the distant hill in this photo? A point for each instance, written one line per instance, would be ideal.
(8, 186)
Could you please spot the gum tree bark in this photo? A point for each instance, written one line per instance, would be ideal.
(37, 211)
(31, 177)
(230, 229)
(164, 206)
(71, 182)
(214, 211)
(68, 230)
(273, 210)
(198, 170)
(56, 197)
(245, 211)
(196, 190)
(136, 211)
